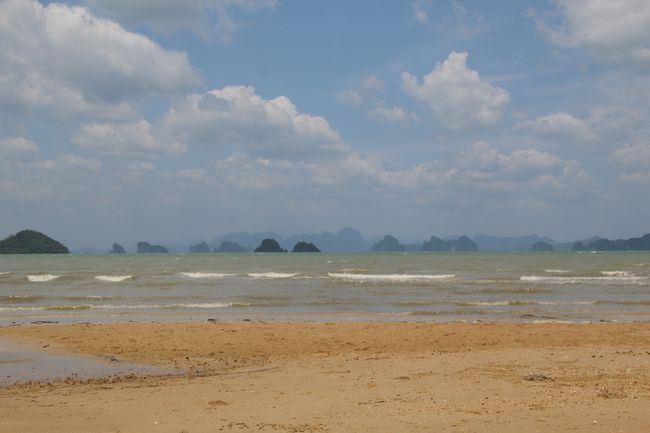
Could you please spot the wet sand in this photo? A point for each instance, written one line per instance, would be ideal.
(343, 377)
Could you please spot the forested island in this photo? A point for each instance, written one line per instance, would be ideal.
(31, 242)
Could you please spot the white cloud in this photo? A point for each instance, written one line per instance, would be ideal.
(392, 115)
(65, 60)
(18, 149)
(617, 31)
(561, 126)
(236, 116)
(126, 138)
(199, 16)
(633, 155)
(366, 93)
(420, 10)
(231, 118)
(456, 95)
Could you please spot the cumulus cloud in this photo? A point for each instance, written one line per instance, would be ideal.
(237, 116)
(202, 17)
(130, 138)
(633, 155)
(231, 118)
(18, 149)
(366, 93)
(617, 31)
(456, 95)
(65, 60)
(561, 126)
(392, 115)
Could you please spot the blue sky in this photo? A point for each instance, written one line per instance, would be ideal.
(160, 119)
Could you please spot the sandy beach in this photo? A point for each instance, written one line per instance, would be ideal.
(342, 377)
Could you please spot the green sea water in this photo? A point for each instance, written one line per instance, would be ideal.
(441, 287)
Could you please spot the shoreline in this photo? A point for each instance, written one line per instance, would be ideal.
(343, 376)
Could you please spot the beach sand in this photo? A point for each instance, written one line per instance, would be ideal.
(343, 377)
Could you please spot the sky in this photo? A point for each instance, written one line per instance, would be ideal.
(160, 120)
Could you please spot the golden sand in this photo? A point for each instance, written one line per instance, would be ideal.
(344, 377)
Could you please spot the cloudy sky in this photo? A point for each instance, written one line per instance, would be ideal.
(125, 120)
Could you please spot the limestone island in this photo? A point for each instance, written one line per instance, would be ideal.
(230, 247)
(542, 246)
(117, 249)
(31, 242)
(270, 246)
(200, 248)
(305, 247)
(147, 248)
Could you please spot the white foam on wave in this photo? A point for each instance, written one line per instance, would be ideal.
(80, 307)
(391, 277)
(113, 278)
(271, 275)
(557, 271)
(43, 278)
(574, 280)
(5, 273)
(200, 275)
(519, 303)
(617, 274)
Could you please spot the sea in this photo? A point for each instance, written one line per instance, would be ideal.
(418, 287)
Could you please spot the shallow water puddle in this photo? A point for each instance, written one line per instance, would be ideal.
(20, 363)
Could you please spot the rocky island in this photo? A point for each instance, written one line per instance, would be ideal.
(542, 246)
(200, 248)
(270, 246)
(230, 247)
(117, 249)
(31, 242)
(305, 247)
(147, 248)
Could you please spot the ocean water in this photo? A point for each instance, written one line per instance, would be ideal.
(441, 287)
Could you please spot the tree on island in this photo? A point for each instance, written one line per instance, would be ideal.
(147, 248)
(387, 245)
(31, 242)
(270, 246)
(200, 248)
(117, 249)
(305, 247)
(230, 247)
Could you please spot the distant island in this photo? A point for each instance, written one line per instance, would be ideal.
(117, 249)
(200, 248)
(542, 246)
(305, 247)
(599, 244)
(230, 247)
(31, 242)
(147, 248)
(269, 246)
(391, 244)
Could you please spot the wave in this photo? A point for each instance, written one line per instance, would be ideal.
(617, 274)
(575, 280)
(202, 275)
(391, 277)
(517, 303)
(4, 273)
(113, 278)
(19, 299)
(271, 275)
(557, 271)
(125, 307)
(43, 278)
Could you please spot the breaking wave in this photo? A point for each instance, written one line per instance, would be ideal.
(113, 278)
(391, 277)
(271, 275)
(628, 278)
(43, 278)
(202, 275)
